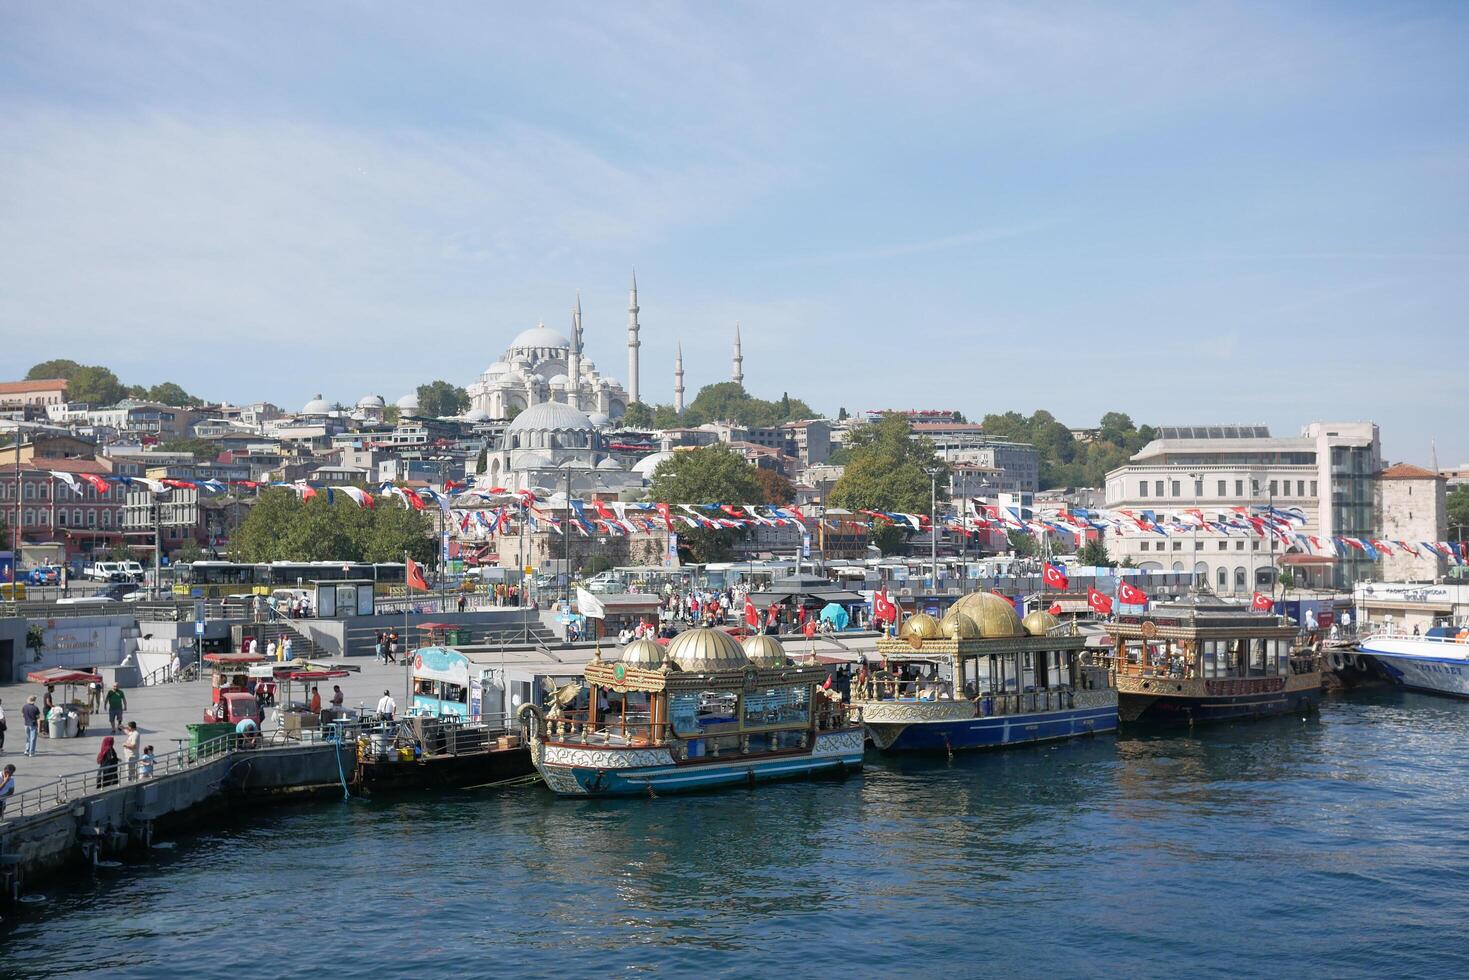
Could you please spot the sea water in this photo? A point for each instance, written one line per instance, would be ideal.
(1333, 846)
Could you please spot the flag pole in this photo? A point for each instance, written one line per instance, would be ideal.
(407, 668)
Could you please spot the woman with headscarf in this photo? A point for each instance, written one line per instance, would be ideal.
(106, 763)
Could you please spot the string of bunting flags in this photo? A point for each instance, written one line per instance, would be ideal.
(482, 512)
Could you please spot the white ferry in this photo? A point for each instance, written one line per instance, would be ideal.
(1436, 663)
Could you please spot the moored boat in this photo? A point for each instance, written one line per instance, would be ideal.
(1200, 659)
(1436, 663)
(982, 678)
(704, 713)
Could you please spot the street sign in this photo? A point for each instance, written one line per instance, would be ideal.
(199, 628)
(529, 569)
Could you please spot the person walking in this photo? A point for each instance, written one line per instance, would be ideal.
(387, 707)
(7, 786)
(2, 729)
(130, 744)
(106, 763)
(377, 649)
(117, 703)
(46, 706)
(31, 716)
(94, 696)
(286, 650)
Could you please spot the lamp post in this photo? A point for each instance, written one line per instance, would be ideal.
(933, 523)
(1198, 479)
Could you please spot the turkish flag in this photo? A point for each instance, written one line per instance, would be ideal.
(667, 517)
(883, 608)
(1132, 595)
(1055, 609)
(98, 484)
(752, 615)
(1099, 603)
(602, 510)
(1055, 577)
(1262, 602)
(415, 576)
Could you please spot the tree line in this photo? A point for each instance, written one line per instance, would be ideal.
(283, 527)
(97, 385)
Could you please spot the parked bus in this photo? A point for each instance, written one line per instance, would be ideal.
(218, 579)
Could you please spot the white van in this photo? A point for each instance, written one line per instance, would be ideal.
(133, 570)
(105, 571)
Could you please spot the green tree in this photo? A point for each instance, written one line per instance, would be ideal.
(1023, 543)
(439, 399)
(186, 550)
(262, 535)
(713, 474)
(890, 539)
(392, 530)
(482, 461)
(59, 368)
(391, 413)
(169, 393)
(95, 386)
(1457, 510)
(664, 417)
(889, 469)
(730, 402)
(638, 416)
(1094, 554)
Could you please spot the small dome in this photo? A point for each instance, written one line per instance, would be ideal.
(317, 406)
(1039, 623)
(645, 466)
(408, 403)
(609, 464)
(522, 460)
(559, 381)
(499, 367)
(476, 415)
(705, 650)
(765, 651)
(540, 336)
(958, 626)
(600, 419)
(645, 654)
(921, 625)
(992, 613)
(550, 417)
(370, 401)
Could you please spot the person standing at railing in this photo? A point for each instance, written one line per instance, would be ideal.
(130, 744)
(7, 786)
(106, 763)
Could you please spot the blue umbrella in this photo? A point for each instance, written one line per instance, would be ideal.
(835, 615)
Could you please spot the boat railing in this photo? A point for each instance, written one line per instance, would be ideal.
(607, 728)
(1025, 702)
(894, 689)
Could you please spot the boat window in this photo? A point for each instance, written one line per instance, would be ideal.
(778, 706)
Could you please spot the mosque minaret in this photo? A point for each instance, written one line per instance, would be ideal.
(678, 382)
(737, 375)
(632, 339)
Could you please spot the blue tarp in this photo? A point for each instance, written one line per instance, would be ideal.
(836, 615)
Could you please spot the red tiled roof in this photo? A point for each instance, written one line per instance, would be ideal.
(1407, 471)
(68, 465)
(21, 387)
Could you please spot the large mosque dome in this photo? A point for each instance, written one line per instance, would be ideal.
(317, 406)
(550, 417)
(539, 336)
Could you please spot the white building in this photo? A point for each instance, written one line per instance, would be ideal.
(1329, 472)
(550, 443)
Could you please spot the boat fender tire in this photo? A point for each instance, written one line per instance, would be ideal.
(1336, 660)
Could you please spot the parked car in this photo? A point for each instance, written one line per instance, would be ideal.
(45, 575)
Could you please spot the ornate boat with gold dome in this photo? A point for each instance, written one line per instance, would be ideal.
(983, 678)
(705, 712)
(1201, 659)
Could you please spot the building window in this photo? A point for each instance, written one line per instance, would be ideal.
(1142, 488)
(1198, 488)
(29, 517)
(1142, 546)
(1239, 488)
(44, 518)
(1272, 488)
(76, 517)
(1313, 488)
(1158, 488)
(1224, 546)
(1300, 488)
(1223, 487)
(30, 491)
(1198, 546)
(61, 518)
(1175, 488)
(1239, 546)
(1223, 578)
(1178, 546)
(1254, 546)
(91, 518)
(1239, 578)
(1255, 488)
(107, 518)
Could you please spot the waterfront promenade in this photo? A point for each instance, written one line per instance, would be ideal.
(163, 713)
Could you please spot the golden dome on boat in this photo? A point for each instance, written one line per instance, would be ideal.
(921, 625)
(992, 613)
(765, 651)
(704, 651)
(1039, 623)
(645, 654)
(958, 626)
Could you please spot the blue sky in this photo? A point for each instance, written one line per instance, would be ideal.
(1191, 213)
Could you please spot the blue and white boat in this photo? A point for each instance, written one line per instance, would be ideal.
(705, 713)
(1437, 663)
(982, 678)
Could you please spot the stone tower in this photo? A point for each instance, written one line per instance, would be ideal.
(737, 375)
(573, 357)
